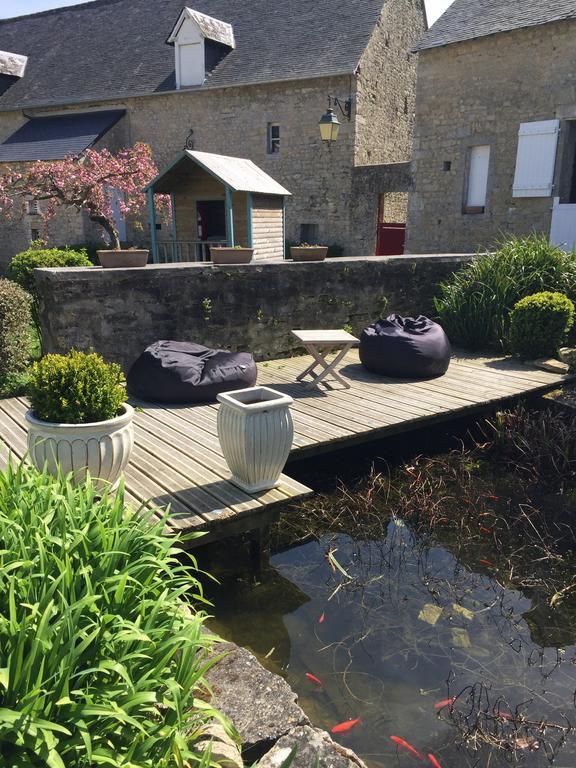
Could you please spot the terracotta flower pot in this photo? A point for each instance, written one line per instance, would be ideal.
(102, 448)
(309, 253)
(123, 259)
(231, 255)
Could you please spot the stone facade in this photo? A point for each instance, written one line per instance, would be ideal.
(234, 121)
(479, 92)
(119, 312)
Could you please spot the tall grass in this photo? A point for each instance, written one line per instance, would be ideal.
(99, 663)
(474, 306)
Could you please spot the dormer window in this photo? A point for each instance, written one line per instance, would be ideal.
(200, 42)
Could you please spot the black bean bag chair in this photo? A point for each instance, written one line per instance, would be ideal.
(405, 347)
(180, 372)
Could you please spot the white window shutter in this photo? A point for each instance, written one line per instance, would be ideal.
(536, 158)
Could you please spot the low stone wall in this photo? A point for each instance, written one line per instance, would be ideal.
(119, 312)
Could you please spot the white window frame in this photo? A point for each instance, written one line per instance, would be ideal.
(477, 177)
(274, 142)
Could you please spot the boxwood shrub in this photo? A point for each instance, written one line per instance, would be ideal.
(77, 388)
(15, 322)
(540, 323)
(99, 663)
(21, 268)
(474, 306)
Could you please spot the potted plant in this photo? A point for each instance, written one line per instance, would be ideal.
(103, 185)
(306, 252)
(236, 254)
(79, 421)
(255, 432)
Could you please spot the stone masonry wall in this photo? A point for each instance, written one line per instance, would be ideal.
(119, 312)
(479, 92)
(386, 85)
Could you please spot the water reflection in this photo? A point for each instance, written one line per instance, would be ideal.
(395, 626)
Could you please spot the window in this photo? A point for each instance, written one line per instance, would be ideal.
(273, 139)
(477, 181)
(32, 207)
(309, 233)
(536, 158)
(34, 235)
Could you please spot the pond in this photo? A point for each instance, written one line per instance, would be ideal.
(441, 636)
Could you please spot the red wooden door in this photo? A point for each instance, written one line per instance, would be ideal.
(390, 239)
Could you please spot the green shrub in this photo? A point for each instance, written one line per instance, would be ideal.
(22, 266)
(77, 388)
(474, 306)
(91, 249)
(15, 321)
(540, 323)
(99, 663)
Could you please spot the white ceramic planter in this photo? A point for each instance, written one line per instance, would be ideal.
(255, 431)
(102, 448)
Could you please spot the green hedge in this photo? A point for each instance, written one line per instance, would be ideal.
(99, 663)
(77, 388)
(540, 323)
(15, 322)
(475, 305)
(22, 266)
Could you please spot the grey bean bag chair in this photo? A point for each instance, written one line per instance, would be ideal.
(405, 347)
(180, 372)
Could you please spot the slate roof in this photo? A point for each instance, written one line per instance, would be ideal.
(117, 48)
(469, 19)
(53, 138)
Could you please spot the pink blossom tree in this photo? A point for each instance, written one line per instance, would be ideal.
(91, 182)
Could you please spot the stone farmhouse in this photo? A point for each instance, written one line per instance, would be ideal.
(243, 79)
(495, 134)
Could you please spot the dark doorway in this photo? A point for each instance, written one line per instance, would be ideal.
(211, 220)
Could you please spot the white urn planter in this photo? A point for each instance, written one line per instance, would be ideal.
(102, 448)
(255, 431)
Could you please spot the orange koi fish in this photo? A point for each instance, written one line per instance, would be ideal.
(434, 762)
(487, 563)
(314, 678)
(321, 619)
(346, 726)
(444, 703)
(485, 530)
(408, 747)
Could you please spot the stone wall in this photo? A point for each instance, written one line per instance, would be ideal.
(386, 85)
(254, 307)
(478, 92)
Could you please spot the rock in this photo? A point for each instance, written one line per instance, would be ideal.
(568, 356)
(224, 749)
(552, 365)
(314, 747)
(261, 705)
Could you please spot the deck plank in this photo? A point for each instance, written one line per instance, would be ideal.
(178, 462)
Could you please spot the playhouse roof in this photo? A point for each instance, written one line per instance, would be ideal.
(238, 173)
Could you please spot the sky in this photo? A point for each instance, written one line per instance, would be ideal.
(10, 8)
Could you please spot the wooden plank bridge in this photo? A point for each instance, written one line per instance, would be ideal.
(177, 459)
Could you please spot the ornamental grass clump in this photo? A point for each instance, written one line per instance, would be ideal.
(15, 321)
(77, 388)
(99, 663)
(474, 306)
(539, 324)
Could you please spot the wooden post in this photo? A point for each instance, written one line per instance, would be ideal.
(152, 219)
(259, 549)
(175, 250)
(229, 218)
(250, 209)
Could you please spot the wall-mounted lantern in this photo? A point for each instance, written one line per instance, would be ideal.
(329, 124)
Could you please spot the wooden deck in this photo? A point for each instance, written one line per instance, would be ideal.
(177, 458)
